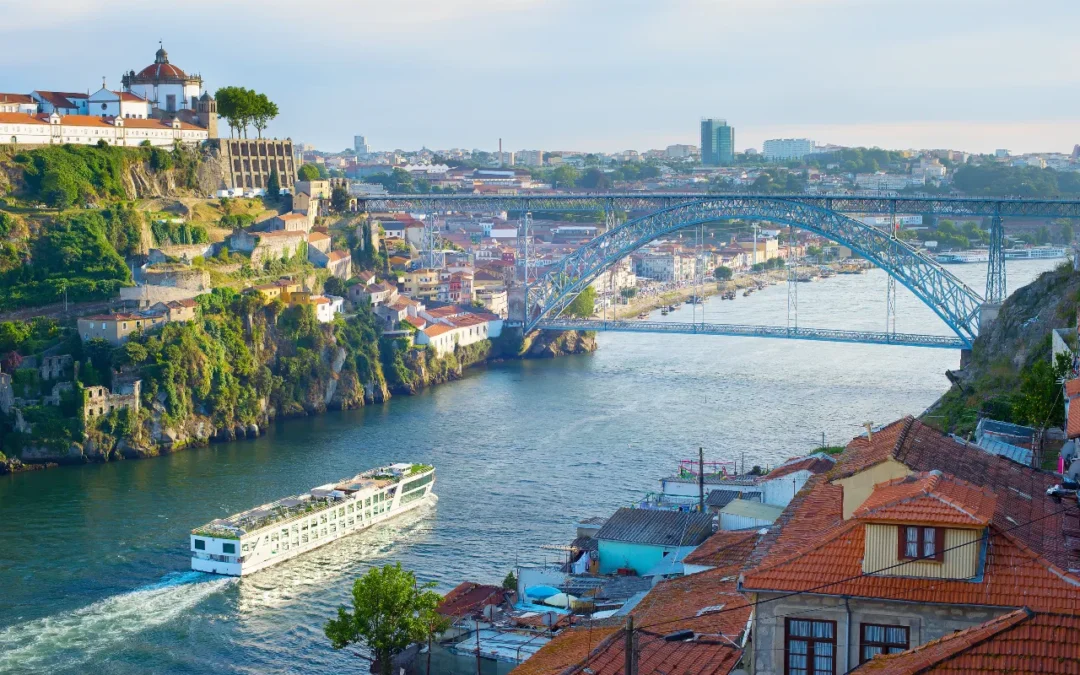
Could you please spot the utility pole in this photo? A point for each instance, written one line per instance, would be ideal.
(629, 667)
(476, 624)
(701, 480)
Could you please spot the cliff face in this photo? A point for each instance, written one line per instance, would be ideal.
(1010, 365)
(549, 344)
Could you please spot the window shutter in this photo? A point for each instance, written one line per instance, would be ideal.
(901, 542)
(939, 544)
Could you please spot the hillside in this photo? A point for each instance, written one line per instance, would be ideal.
(1010, 376)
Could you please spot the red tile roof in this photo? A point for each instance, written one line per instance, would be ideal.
(568, 648)
(59, 99)
(1018, 643)
(813, 464)
(16, 98)
(694, 602)
(726, 549)
(1072, 387)
(437, 329)
(1020, 490)
(929, 497)
(1073, 428)
(415, 321)
(656, 656)
(20, 118)
(468, 599)
(335, 256)
(1013, 575)
(315, 235)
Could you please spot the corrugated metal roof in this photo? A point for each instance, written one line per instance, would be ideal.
(657, 528)
(755, 510)
(721, 498)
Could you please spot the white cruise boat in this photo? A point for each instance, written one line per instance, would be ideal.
(1035, 253)
(266, 535)
(964, 257)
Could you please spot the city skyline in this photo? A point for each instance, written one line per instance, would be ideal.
(973, 76)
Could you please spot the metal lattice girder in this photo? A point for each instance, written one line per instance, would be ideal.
(739, 330)
(952, 300)
(601, 201)
(995, 271)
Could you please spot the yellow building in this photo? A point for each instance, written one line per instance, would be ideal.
(422, 284)
(767, 249)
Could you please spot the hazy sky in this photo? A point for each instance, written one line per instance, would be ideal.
(591, 74)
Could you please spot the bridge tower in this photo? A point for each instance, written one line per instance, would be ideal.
(792, 281)
(995, 271)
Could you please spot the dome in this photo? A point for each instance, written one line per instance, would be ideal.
(161, 69)
(206, 96)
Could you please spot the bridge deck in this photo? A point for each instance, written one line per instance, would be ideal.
(740, 330)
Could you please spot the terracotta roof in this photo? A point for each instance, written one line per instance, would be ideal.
(135, 123)
(437, 329)
(815, 463)
(469, 599)
(568, 648)
(278, 234)
(1072, 387)
(16, 98)
(60, 99)
(703, 656)
(1073, 429)
(335, 256)
(1020, 489)
(315, 235)
(814, 512)
(1012, 576)
(86, 121)
(725, 549)
(694, 603)
(415, 321)
(929, 497)
(1019, 642)
(657, 528)
(161, 71)
(293, 216)
(20, 118)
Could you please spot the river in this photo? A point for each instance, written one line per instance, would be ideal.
(94, 570)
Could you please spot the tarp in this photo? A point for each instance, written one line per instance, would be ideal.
(561, 600)
(581, 566)
(541, 592)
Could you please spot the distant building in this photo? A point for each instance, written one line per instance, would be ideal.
(717, 142)
(360, 145)
(680, 151)
(784, 149)
(529, 158)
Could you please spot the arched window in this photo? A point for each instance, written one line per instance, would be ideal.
(14, 140)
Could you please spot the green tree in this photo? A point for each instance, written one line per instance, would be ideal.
(273, 184)
(564, 176)
(339, 199)
(390, 612)
(595, 179)
(1065, 231)
(583, 305)
(262, 111)
(308, 172)
(1038, 402)
(722, 273)
(510, 582)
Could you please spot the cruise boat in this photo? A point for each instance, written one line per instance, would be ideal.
(266, 535)
(1035, 253)
(963, 257)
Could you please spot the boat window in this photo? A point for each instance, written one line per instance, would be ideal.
(228, 548)
(200, 544)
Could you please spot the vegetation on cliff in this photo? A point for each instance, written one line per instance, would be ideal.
(1011, 375)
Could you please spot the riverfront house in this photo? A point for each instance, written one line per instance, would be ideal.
(637, 540)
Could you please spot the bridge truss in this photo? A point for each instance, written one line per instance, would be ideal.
(957, 304)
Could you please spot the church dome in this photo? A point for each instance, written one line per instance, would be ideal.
(161, 69)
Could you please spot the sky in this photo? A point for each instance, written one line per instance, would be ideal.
(595, 75)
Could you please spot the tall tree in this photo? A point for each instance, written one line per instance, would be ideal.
(263, 110)
(308, 172)
(583, 305)
(273, 184)
(390, 612)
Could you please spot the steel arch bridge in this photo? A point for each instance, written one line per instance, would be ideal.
(954, 302)
(951, 299)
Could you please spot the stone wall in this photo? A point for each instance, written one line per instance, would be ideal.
(925, 622)
(184, 252)
(246, 163)
(185, 278)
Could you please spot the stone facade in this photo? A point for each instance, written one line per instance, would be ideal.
(53, 367)
(179, 277)
(925, 622)
(100, 401)
(247, 163)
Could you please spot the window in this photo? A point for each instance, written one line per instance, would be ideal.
(228, 548)
(809, 647)
(200, 544)
(920, 543)
(878, 639)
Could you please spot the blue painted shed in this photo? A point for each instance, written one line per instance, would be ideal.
(640, 539)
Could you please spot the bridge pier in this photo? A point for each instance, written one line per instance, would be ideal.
(988, 312)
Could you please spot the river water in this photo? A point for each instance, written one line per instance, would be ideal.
(94, 567)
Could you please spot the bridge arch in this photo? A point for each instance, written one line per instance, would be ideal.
(952, 300)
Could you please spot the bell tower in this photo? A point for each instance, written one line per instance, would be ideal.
(206, 108)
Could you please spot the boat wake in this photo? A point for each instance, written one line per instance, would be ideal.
(67, 639)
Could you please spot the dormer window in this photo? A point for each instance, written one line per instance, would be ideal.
(915, 542)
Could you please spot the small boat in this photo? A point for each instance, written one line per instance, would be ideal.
(747, 293)
(643, 315)
(664, 312)
(671, 308)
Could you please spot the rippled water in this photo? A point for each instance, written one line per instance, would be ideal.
(94, 570)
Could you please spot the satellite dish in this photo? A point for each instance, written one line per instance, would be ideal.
(550, 619)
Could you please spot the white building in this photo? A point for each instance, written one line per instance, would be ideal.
(360, 145)
(665, 266)
(679, 151)
(18, 103)
(327, 306)
(529, 158)
(62, 103)
(782, 149)
(106, 103)
(22, 129)
(887, 182)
